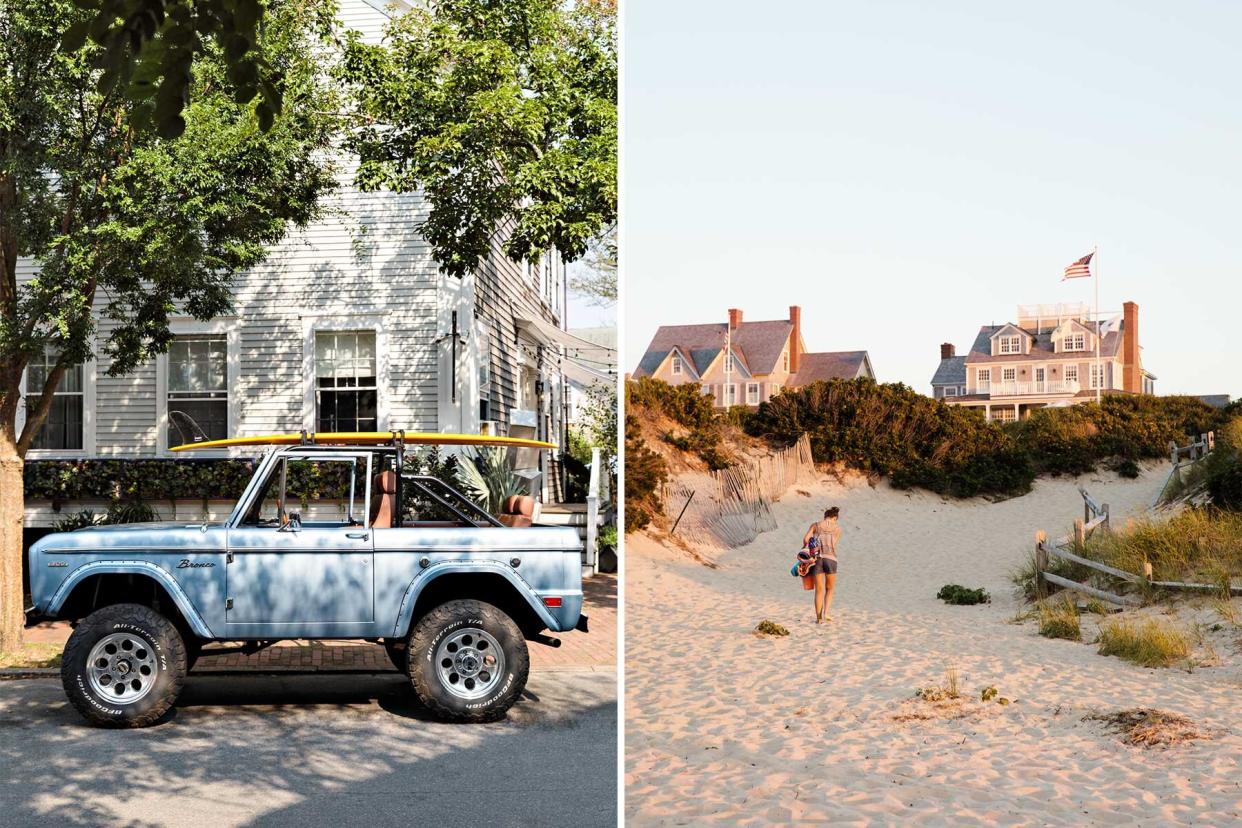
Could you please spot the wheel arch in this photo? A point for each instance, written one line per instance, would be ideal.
(492, 583)
(102, 584)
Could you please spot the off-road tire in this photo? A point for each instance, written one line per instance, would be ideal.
(169, 658)
(426, 636)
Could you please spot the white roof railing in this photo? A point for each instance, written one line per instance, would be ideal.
(1053, 314)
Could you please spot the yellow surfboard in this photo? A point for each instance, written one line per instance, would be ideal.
(369, 438)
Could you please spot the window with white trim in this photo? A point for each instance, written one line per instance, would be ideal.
(1004, 415)
(1071, 373)
(730, 396)
(785, 361)
(752, 393)
(950, 391)
(1074, 342)
(983, 376)
(346, 394)
(1097, 376)
(198, 389)
(63, 428)
(676, 365)
(728, 363)
(1009, 374)
(1011, 344)
(774, 389)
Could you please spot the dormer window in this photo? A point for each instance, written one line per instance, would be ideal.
(1010, 345)
(1074, 342)
(728, 366)
(676, 365)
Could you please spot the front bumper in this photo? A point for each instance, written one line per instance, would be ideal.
(34, 617)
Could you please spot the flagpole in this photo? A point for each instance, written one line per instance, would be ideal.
(724, 397)
(1099, 330)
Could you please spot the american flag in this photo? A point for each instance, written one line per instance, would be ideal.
(1079, 269)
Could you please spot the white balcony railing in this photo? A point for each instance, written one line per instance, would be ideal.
(1028, 389)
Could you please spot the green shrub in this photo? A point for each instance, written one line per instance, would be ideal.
(891, 430)
(1151, 642)
(1223, 467)
(1076, 439)
(962, 596)
(645, 474)
(1058, 618)
(1127, 468)
(687, 406)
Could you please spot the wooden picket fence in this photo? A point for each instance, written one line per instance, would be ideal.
(1096, 518)
(738, 507)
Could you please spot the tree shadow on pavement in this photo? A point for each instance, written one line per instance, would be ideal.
(311, 750)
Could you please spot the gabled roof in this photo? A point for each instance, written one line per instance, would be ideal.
(1041, 345)
(757, 345)
(951, 371)
(1011, 329)
(823, 366)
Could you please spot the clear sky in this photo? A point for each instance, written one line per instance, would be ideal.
(907, 172)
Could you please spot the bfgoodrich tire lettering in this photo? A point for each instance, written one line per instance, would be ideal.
(449, 622)
(165, 659)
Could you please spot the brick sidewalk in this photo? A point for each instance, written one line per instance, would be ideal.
(595, 649)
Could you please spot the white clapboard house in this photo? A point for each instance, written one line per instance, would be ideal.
(349, 325)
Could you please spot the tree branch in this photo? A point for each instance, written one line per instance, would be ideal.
(35, 419)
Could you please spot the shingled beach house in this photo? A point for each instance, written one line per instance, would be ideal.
(745, 363)
(1047, 357)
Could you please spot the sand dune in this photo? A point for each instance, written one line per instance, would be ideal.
(724, 726)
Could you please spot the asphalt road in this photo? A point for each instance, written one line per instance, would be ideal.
(313, 750)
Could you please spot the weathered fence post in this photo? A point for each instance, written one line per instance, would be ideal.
(1104, 511)
(1080, 535)
(1211, 441)
(1173, 452)
(1147, 570)
(1041, 563)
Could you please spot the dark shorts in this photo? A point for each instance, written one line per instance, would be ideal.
(827, 566)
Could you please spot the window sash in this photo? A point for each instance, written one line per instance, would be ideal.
(752, 393)
(676, 365)
(64, 428)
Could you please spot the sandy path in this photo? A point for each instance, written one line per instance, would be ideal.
(722, 725)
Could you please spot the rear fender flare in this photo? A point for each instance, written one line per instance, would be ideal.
(436, 570)
(145, 568)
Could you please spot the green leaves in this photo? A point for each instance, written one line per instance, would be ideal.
(144, 43)
(503, 112)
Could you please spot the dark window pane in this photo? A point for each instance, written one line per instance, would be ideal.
(191, 421)
(62, 430)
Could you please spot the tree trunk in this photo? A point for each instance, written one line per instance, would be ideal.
(12, 506)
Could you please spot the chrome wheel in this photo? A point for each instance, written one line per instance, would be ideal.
(470, 663)
(122, 667)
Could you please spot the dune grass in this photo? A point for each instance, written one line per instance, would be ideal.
(1058, 618)
(1150, 642)
(1197, 545)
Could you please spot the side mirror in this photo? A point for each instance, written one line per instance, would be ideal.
(294, 524)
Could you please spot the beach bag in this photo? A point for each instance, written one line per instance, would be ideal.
(802, 569)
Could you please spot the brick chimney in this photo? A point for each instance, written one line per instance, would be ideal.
(795, 338)
(735, 318)
(947, 350)
(1131, 364)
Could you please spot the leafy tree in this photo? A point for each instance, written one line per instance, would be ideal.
(504, 113)
(597, 280)
(124, 225)
(148, 49)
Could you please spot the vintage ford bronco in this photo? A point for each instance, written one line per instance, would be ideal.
(453, 599)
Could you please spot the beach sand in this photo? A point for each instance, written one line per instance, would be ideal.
(722, 725)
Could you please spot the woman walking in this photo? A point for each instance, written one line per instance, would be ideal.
(822, 539)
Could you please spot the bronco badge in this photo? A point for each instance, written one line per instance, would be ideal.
(186, 563)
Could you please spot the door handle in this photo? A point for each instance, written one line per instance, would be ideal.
(357, 535)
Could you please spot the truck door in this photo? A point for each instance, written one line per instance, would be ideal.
(301, 558)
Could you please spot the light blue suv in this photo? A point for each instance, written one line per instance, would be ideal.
(453, 593)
